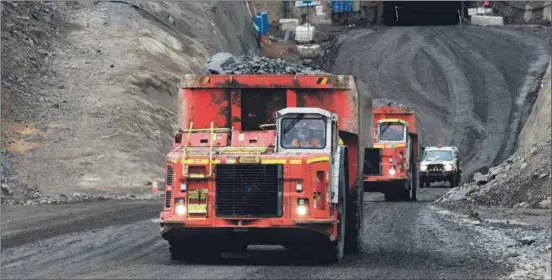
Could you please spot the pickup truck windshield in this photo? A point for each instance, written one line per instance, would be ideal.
(303, 133)
(437, 155)
(391, 132)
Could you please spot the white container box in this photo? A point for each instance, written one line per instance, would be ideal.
(304, 33)
(288, 24)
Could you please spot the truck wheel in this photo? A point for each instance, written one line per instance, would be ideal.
(339, 244)
(334, 250)
(354, 217)
(427, 184)
(390, 196)
(405, 195)
(454, 181)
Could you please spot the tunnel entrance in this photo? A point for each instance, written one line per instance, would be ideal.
(404, 13)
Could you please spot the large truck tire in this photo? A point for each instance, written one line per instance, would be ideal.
(391, 196)
(336, 250)
(353, 237)
(413, 192)
(405, 195)
(454, 181)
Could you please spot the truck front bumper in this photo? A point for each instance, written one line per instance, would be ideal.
(436, 176)
(261, 232)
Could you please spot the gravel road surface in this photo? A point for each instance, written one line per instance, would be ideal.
(471, 85)
(119, 240)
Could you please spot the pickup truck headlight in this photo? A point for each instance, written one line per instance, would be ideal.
(448, 167)
(423, 167)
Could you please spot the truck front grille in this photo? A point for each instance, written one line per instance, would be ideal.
(249, 190)
(169, 179)
(435, 167)
(168, 196)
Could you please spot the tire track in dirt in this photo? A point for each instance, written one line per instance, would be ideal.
(415, 245)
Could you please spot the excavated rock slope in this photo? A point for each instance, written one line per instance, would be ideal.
(524, 179)
(88, 90)
(470, 84)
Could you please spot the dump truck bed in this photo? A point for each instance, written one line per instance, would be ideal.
(244, 102)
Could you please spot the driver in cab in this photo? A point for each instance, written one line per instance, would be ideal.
(306, 137)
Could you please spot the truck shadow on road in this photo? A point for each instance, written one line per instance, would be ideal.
(270, 256)
(424, 195)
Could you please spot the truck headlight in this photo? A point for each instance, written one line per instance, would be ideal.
(299, 187)
(183, 186)
(392, 171)
(448, 167)
(180, 207)
(423, 167)
(301, 207)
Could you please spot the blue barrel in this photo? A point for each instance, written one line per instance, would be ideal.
(264, 16)
(340, 6)
(348, 7)
(337, 6)
(259, 23)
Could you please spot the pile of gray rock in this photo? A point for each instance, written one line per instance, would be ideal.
(225, 63)
(523, 180)
(381, 102)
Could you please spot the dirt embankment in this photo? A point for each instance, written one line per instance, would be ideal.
(470, 85)
(88, 89)
(524, 179)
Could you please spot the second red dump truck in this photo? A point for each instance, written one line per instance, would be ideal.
(396, 151)
(267, 159)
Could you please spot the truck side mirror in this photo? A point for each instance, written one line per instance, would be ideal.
(178, 138)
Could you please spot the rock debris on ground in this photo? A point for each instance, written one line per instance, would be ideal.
(519, 240)
(523, 180)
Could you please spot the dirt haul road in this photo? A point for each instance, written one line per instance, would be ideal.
(471, 85)
(119, 240)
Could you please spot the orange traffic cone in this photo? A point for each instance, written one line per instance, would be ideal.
(154, 186)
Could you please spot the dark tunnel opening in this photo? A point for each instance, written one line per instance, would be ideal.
(404, 13)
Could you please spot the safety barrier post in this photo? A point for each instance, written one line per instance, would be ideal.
(154, 186)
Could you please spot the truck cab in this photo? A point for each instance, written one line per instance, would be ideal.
(391, 167)
(440, 164)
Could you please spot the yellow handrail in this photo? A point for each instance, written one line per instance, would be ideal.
(243, 150)
(211, 152)
(201, 176)
(186, 144)
(216, 129)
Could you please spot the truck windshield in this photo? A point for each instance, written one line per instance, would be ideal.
(391, 132)
(303, 133)
(437, 155)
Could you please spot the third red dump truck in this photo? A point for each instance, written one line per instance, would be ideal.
(396, 150)
(267, 159)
